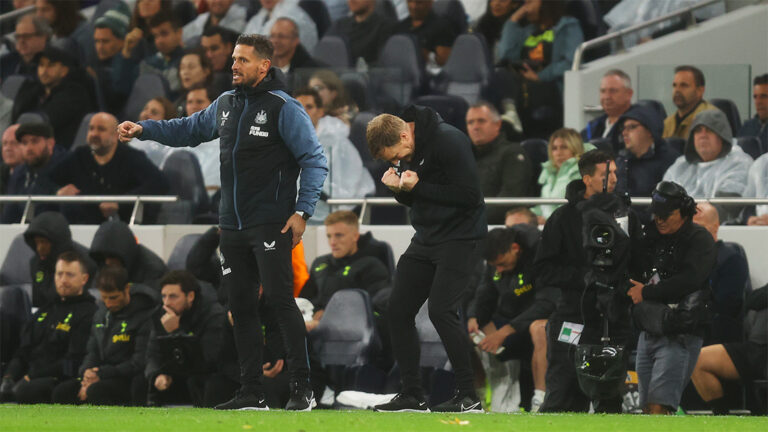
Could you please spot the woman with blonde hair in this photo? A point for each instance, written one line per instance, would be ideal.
(565, 148)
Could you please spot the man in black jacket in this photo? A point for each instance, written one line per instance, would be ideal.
(435, 177)
(185, 341)
(49, 236)
(54, 340)
(112, 371)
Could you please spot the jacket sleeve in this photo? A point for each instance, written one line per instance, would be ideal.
(567, 40)
(550, 263)
(541, 308)
(297, 131)
(189, 131)
(134, 364)
(510, 45)
(485, 299)
(199, 259)
(154, 354)
(518, 175)
(124, 73)
(212, 339)
(692, 273)
(758, 299)
(375, 277)
(404, 198)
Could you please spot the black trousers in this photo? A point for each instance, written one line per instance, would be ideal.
(262, 255)
(441, 274)
(111, 391)
(36, 390)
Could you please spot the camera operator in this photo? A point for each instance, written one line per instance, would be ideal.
(670, 307)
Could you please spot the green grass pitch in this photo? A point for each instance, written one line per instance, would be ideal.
(39, 418)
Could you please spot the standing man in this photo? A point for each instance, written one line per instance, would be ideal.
(435, 176)
(266, 138)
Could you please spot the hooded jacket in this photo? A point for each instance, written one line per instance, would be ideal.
(266, 140)
(757, 182)
(54, 227)
(446, 204)
(639, 175)
(724, 176)
(117, 344)
(53, 342)
(115, 239)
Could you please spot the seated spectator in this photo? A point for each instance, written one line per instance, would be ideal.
(504, 308)
(143, 12)
(344, 268)
(711, 165)
(503, 167)
(331, 90)
(106, 167)
(757, 187)
(492, 21)
(198, 99)
(109, 38)
(67, 23)
(735, 361)
(219, 43)
(48, 235)
(159, 108)
(57, 93)
(521, 215)
(221, 13)
(366, 31)
(728, 280)
(347, 177)
(194, 71)
(54, 339)
(538, 42)
(113, 367)
(12, 157)
(31, 36)
(688, 96)
(434, 33)
(757, 126)
(189, 322)
(39, 154)
(289, 54)
(271, 10)
(641, 164)
(115, 245)
(615, 98)
(564, 149)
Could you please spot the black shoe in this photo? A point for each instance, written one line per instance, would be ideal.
(245, 402)
(404, 402)
(460, 403)
(302, 398)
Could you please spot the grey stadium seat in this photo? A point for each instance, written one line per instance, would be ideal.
(178, 258)
(82, 132)
(146, 87)
(403, 68)
(346, 335)
(432, 350)
(731, 112)
(11, 85)
(468, 69)
(15, 268)
(332, 51)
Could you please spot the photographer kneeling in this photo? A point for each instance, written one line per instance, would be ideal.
(670, 307)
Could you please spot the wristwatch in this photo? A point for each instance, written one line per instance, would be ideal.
(303, 215)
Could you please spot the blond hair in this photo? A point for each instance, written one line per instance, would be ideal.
(572, 140)
(342, 216)
(383, 131)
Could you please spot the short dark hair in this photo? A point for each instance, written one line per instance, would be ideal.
(761, 79)
(185, 279)
(260, 44)
(227, 35)
(161, 18)
(532, 219)
(498, 242)
(209, 92)
(112, 279)
(494, 112)
(589, 161)
(72, 256)
(698, 75)
(306, 91)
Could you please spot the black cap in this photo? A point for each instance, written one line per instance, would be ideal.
(56, 54)
(37, 129)
(666, 198)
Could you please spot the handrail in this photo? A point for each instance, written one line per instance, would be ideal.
(618, 35)
(16, 13)
(137, 200)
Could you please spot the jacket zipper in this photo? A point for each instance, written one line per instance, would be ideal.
(234, 166)
(279, 180)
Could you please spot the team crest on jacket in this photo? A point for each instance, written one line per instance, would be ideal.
(261, 117)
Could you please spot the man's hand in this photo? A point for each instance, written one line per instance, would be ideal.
(472, 326)
(408, 180)
(391, 180)
(91, 376)
(529, 73)
(108, 209)
(758, 220)
(170, 320)
(521, 12)
(636, 291)
(272, 371)
(131, 40)
(311, 325)
(163, 382)
(127, 130)
(68, 190)
(493, 341)
(297, 225)
(83, 393)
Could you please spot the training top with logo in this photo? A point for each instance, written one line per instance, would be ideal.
(262, 152)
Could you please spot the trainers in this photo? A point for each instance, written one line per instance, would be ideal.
(302, 398)
(245, 402)
(403, 402)
(460, 403)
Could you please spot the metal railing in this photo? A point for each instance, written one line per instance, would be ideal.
(686, 13)
(16, 13)
(137, 200)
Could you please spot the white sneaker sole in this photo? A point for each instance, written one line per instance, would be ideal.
(309, 408)
(251, 409)
(426, 411)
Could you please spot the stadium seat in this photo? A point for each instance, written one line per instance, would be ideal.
(403, 68)
(655, 105)
(15, 268)
(750, 145)
(332, 51)
(731, 112)
(584, 11)
(453, 11)
(82, 132)
(185, 178)
(146, 87)
(433, 353)
(357, 135)
(15, 310)
(178, 258)
(319, 14)
(453, 109)
(468, 70)
(605, 144)
(676, 143)
(11, 86)
(102, 7)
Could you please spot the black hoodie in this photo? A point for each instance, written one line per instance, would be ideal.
(117, 344)
(54, 227)
(446, 204)
(115, 239)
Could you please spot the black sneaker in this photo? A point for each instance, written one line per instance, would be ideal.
(460, 403)
(302, 398)
(404, 402)
(245, 402)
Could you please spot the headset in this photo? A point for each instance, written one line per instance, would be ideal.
(671, 190)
